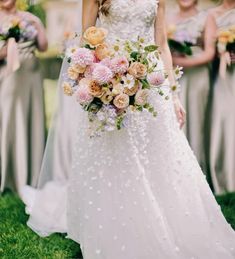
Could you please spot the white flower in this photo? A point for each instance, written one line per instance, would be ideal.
(176, 87)
(128, 81)
(178, 71)
(71, 50)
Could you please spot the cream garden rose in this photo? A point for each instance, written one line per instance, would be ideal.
(133, 90)
(141, 97)
(117, 89)
(138, 70)
(95, 35)
(107, 97)
(121, 101)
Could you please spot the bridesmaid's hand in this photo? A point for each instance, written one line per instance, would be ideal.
(42, 42)
(3, 52)
(180, 111)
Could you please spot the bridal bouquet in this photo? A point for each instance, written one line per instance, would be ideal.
(108, 80)
(20, 30)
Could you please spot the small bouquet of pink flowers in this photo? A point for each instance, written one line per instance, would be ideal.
(20, 30)
(109, 80)
(181, 41)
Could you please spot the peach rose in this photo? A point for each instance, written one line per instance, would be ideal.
(121, 101)
(74, 71)
(67, 88)
(95, 89)
(102, 51)
(137, 70)
(84, 82)
(133, 90)
(95, 36)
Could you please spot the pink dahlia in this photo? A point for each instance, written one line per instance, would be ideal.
(89, 70)
(106, 62)
(83, 57)
(102, 74)
(119, 65)
(83, 96)
(156, 78)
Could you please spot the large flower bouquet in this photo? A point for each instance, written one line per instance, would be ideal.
(20, 30)
(110, 80)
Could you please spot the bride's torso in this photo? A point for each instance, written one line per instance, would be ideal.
(129, 19)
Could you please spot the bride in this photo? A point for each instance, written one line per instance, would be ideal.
(137, 193)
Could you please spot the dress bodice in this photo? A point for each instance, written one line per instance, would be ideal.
(226, 20)
(191, 29)
(128, 19)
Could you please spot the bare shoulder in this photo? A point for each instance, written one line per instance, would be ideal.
(215, 12)
(2, 15)
(29, 16)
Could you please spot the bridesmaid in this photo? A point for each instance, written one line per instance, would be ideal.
(222, 149)
(21, 106)
(190, 25)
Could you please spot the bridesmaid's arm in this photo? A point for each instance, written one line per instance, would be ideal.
(42, 43)
(89, 13)
(161, 41)
(209, 47)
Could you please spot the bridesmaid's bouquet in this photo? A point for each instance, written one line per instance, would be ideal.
(181, 41)
(20, 30)
(226, 41)
(108, 80)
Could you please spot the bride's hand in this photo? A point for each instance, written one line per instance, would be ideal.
(180, 112)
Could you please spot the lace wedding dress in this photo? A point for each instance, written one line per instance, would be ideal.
(137, 193)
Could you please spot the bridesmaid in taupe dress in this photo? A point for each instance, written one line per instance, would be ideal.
(222, 149)
(21, 108)
(194, 27)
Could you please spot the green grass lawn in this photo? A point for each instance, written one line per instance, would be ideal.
(17, 241)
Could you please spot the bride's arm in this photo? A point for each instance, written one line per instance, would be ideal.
(89, 13)
(161, 41)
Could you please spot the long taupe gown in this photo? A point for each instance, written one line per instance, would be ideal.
(21, 123)
(222, 149)
(195, 88)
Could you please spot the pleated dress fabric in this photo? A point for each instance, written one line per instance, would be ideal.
(22, 123)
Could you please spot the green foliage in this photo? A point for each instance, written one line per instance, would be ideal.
(18, 241)
(151, 48)
(145, 84)
(183, 48)
(38, 11)
(135, 55)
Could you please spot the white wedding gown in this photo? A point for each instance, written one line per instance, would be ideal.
(137, 193)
